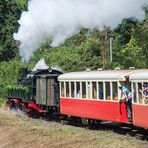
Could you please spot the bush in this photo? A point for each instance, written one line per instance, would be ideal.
(9, 72)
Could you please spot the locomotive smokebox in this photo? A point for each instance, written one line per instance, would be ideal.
(25, 70)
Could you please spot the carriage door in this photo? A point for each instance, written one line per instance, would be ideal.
(122, 104)
(51, 93)
(41, 90)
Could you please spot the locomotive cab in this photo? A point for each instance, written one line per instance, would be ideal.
(36, 91)
(47, 88)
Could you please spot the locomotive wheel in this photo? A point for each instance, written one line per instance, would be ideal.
(33, 113)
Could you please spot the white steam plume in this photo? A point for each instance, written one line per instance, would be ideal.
(40, 65)
(60, 19)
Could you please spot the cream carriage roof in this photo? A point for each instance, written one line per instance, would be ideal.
(141, 75)
(98, 75)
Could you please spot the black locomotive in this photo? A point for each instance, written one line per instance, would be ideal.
(36, 92)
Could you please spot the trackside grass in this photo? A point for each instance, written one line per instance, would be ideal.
(22, 132)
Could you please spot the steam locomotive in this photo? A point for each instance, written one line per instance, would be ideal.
(93, 95)
(36, 92)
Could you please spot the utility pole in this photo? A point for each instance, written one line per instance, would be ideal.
(111, 50)
(103, 57)
(104, 38)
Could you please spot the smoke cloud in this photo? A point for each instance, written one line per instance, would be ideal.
(58, 20)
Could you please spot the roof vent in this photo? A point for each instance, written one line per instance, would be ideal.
(88, 69)
(117, 68)
(99, 69)
(131, 68)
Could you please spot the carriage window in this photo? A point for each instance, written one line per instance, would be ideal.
(72, 90)
(107, 89)
(139, 93)
(62, 89)
(142, 92)
(145, 92)
(83, 90)
(134, 93)
(100, 90)
(89, 90)
(67, 89)
(94, 90)
(115, 90)
(78, 89)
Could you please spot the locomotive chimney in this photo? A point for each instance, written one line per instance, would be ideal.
(24, 72)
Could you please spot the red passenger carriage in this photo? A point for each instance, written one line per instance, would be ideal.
(140, 98)
(93, 95)
(96, 95)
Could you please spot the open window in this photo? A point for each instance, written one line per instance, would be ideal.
(140, 92)
(67, 89)
(84, 90)
(115, 91)
(78, 95)
(100, 90)
(62, 89)
(94, 90)
(72, 89)
(145, 92)
(134, 93)
(107, 90)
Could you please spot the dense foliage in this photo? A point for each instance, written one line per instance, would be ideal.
(84, 50)
(9, 72)
(10, 12)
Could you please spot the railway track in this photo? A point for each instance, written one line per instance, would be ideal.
(119, 128)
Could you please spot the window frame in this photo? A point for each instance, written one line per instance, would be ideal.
(89, 87)
(137, 93)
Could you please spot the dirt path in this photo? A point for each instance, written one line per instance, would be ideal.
(21, 132)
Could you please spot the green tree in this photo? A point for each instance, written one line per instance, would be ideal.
(78, 53)
(124, 30)
(122, 36)
(141, 35)
(9, 71)
(10, 12)
(131, 55)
